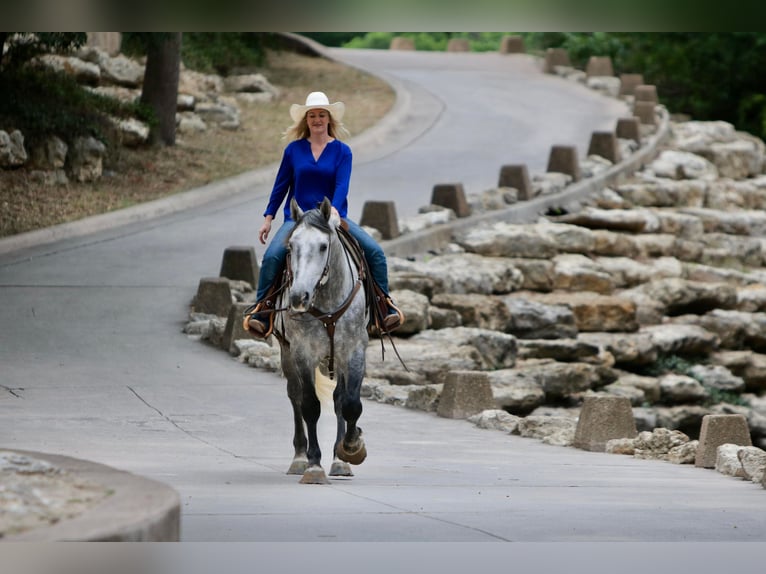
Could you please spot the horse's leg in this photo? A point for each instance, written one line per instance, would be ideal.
(300, 459)
(339, 467)
(351, 449)
(311, 409)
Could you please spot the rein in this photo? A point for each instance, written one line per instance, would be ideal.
(330, 319)
(352, 251)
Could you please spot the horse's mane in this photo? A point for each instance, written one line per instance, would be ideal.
(314, 218)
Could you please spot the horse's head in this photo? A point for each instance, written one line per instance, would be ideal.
(310, 252)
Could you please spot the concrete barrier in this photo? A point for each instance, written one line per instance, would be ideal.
(646, 93)
(458, 45)
(563, 159)
(717, 430)
(516, 176)
(465, 393)
(645, 112)
(604, 144)
(240, 264)
(555, 57)
(438, 236)
(402, 43)
(628, 83)
(629, 129)
(381, 215)
(452, 196)
(512, 45)
(603, 419)
(599, 66)
(213, 296)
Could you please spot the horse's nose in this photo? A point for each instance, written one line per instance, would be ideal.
(299, 300)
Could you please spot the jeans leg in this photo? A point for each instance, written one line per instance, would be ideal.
(272, 259)
(376, 258)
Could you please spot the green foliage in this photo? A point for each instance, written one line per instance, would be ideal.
(428, 41)
(17, 48)
(209, 52)
(40, 103)
(371, 40)
(669, 364)
(332, 39)
(709, 76)
(716, 396)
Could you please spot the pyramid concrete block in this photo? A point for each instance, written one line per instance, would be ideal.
(213, 296)
(629, 129)
(239, 263)
(465, 393)
(512, 45)
(628, 83)
(717, 430)
(556, 57)
(516, 176)
(381, 215)
(563, 159)
(452, 196)
(603, 419)
(604, 144)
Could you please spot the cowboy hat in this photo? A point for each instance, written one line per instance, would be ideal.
(317, 100)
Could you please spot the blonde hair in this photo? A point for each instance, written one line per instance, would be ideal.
(300, 129)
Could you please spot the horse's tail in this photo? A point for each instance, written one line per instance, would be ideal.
(324, 387)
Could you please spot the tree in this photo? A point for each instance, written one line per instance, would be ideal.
(160, 89)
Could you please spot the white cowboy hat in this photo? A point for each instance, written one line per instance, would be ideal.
(317, 100)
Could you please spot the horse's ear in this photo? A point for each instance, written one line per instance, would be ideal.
(327, 212)
(295, 210)
(325, 208)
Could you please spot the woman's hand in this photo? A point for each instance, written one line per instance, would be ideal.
(263, 232)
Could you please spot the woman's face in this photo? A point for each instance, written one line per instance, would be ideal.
(318, 120)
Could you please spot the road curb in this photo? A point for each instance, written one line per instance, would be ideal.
(364, 144)
(138, 509)
(437, 236)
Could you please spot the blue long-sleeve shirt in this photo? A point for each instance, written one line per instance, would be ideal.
(309, 180)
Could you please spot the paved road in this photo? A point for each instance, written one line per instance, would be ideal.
(93, 364)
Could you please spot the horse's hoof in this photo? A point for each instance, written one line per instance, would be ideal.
(355, 453)
(339, 468)
(298, 466)
(314, 475)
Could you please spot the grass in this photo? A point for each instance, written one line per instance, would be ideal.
(137, 176)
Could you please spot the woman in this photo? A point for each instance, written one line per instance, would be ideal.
(315, 165)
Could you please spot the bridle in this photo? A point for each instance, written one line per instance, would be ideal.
(328, 319)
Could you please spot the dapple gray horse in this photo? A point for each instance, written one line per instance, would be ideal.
(323, 339)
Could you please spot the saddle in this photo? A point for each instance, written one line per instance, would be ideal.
(376, 300)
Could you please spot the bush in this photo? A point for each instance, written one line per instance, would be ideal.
(669, 364)
(209, 52)
(40, 103)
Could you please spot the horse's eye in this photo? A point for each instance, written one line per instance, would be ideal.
(322, 248)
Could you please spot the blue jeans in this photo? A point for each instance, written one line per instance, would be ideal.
(277, 251)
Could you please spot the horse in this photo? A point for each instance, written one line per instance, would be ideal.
(323, 337)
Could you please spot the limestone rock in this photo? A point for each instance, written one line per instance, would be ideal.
(495, 419)
(12, 151)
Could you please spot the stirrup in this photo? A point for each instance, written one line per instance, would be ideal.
(393, 321)
(256, 327)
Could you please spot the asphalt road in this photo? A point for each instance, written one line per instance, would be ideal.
(93, 363)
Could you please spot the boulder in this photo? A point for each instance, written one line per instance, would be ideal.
(12, 151)
(530, 319)
(85, 159)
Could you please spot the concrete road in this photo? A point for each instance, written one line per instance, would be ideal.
(93, 363)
